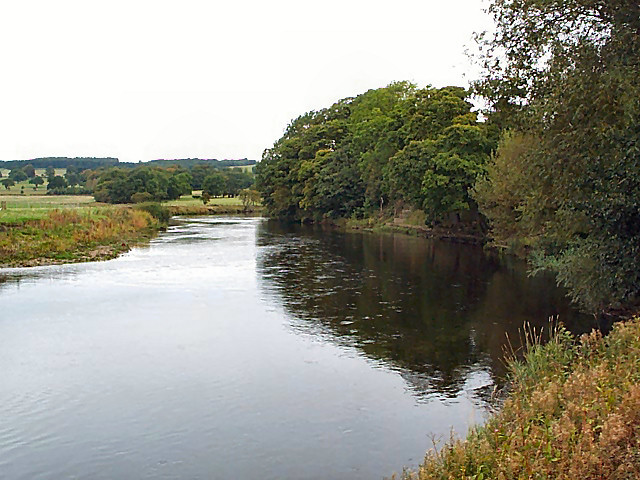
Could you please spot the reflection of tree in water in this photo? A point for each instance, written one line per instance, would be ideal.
(432, 310)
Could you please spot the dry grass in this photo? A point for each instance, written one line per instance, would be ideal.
(573, 413)
(72, 235)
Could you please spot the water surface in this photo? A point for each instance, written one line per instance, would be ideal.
(239, 348)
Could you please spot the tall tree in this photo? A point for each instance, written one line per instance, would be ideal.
(396, 143)
(564, 73)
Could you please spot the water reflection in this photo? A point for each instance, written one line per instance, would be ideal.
(238, 348)
(435, 311)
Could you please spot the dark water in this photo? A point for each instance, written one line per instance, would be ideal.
(239, 348)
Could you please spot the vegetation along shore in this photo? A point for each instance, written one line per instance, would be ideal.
(78, 210)
(72, 235)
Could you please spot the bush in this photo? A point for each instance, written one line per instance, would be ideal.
(141, 197)
(157, 211)
(70, 191)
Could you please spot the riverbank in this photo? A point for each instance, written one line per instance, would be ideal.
(573, 412)
(414, 224)
(74, 235)
(213, 210)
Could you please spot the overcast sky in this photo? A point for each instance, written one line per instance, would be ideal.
(142, 79)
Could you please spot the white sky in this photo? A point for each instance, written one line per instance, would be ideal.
(141, 79)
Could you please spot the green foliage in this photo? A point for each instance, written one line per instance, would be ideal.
(397, 143)
(61, 162)
(214, 184)
(567, 79)
(36, 181)
(119, 186)
(18, 175)
(250, 198)
(141, 197)
(69, 190)
(56, 182)
(7, 183)
(29, 171)
(236, 181)
(157, 211)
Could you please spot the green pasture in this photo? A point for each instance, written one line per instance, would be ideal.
(245, 168)
(188, 200)
(20, 208)
(26, 188)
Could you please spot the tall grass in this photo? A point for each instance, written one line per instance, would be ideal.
(74, 235)
(573, 413)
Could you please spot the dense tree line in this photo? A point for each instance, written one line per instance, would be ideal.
(82, 163)
(118, 185)
(147, 183)
(563, 92)
(85, 163)
(192, 162)
(398, 145)
(562, 79)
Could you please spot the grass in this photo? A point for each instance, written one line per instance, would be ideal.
(31, 207)
(41, 229)
(188, 205)
(189, 200)
(573, 413)
(245, 168)
(25, 188)
(74, 235)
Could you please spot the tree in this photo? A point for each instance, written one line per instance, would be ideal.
(7, 182)
(141, 197)
(56, 182)
(29, 171)
(564, 73)
(214, 184)
(236, 181)
(198, 174)
(72, 176)
(179, 184)
(36, 181)
(249, 198)
(50, 172)
(18, 175)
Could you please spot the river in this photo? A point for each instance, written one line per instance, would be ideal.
(242, 348)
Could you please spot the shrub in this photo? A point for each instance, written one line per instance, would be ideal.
(157, 211)
(141, 197)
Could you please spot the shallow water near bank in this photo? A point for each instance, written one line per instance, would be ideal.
(239, 347)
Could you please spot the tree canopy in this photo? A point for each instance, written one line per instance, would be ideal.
(422, 148)
(563, 77)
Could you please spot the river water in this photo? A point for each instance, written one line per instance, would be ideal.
(241, 348)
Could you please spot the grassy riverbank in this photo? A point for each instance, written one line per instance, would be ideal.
(37, 229)
(573, 413)
(189, 205)
(72, 235)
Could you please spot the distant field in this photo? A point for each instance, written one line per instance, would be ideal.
(21, 208)
(187, 200)
(26, 188)
(245, 168)
(59, 171)
(17, 190)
